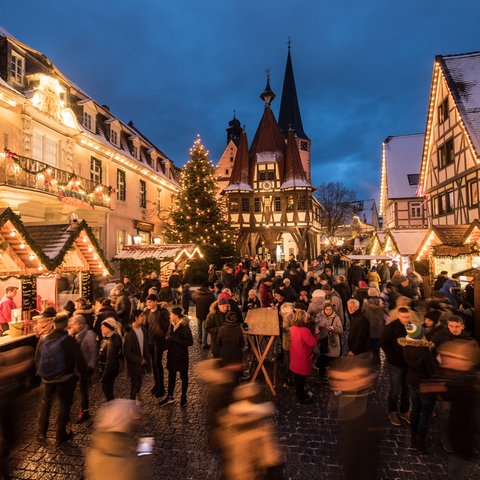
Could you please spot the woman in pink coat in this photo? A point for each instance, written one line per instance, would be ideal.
(302, 341)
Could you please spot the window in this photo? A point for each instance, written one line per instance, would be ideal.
(44, 149)
(143, 194)
(262, 175)
(17, 67)
(120, 239)
(278, 204)
(135, 152)
(302, 202)
(256, 204)
(443, 111)
(304, 145)
(87, 121)
(114, 137)
(234, 205)
(226, 171)
(271, 175)
(95, 170)
(290, 204)
(413, 178)
(245, 204)
(415, 210)
(473, 193)
(121, 186)
(446, 154)
(444, 203)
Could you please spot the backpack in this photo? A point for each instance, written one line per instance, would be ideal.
(52, 361)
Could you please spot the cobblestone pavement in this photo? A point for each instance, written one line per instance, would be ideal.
(307, 435)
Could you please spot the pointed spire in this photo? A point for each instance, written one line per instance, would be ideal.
(294, 173)
(267, 95)
(289, 116)
(240, 179)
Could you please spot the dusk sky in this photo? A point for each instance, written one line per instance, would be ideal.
(180, 68)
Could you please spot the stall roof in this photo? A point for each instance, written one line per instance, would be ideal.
(166, 251)
(50, 246)
(407, 241)
(353, 258)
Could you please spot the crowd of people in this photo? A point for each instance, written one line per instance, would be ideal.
(326, 318)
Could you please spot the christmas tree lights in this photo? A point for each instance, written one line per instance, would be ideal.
(199, 217)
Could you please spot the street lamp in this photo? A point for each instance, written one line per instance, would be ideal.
(157, 240)
(137, 239)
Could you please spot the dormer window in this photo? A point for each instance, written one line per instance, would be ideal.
(114, 137)
(87, 121)
(135, 152)
(17, 68)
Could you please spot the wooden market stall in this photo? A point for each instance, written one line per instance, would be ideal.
(36, 258)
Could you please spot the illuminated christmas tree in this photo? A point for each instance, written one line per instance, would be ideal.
(199, 216)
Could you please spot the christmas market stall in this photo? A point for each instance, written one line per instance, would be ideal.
(404, 244)
(450, 248)
(49, 264)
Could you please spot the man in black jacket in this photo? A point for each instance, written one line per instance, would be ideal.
(359, 332)
(61, 382)
(397, 367)
(203, 298)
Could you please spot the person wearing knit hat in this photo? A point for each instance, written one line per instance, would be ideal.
(432, 324)
(422, 366)
(215, 319)
(222, 301)
(230, 345)
(110, 356)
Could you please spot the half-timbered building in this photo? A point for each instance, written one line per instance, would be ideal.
(269, 196)
(449, 177)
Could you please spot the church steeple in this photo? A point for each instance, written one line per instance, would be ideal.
(289, 116)
(234, 130)
(267, 95)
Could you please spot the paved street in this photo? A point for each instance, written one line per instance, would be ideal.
(306, 434)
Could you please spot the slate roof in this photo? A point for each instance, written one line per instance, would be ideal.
(462, 73)
(289, 116)
(403, 157)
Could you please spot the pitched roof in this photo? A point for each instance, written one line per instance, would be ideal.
(289, 116)
(407, 241)
(268, 144)
(462, 74)
(294, 173)
(450, 234)
(240, 178)
(403, 157)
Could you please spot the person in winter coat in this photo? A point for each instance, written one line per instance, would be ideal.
(230, 344)
(62, 384)
(215, 319)
(110, 356)
(105, 311)
(83, 308)
(316, 304)
(203, 298)
(302, 341)
(186, 298)
(45, 324)
(121, 302)
(329, 329)
(245, 285)
(87, 341)
(157, 324)
(432, 324)
(266, 294)
(113, 446)
(251, 302)
(418, 353)
(447, 291)
(342, 288)
(374, 312)
(178, 339)
(232, 301)
(359, 331)
(286, 314)
(136, 353)
(397, 367)
(334, 298)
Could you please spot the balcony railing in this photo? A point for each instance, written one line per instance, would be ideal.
(20, 171)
